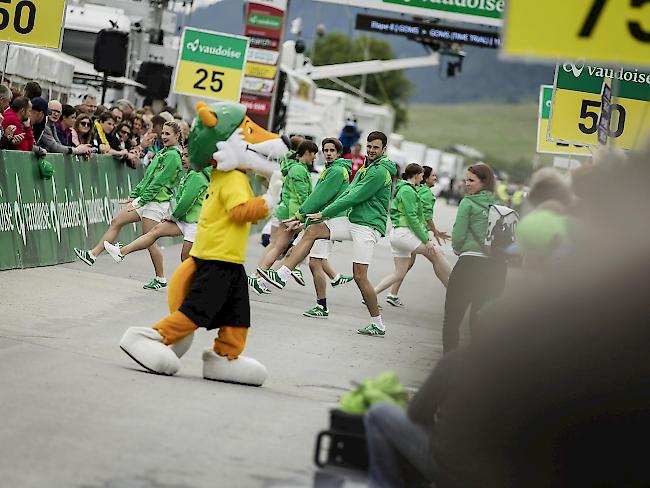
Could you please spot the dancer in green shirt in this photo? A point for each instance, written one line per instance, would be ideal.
(332, 183)
(441, 266)
(183, 220)
(148, 202)
(366, 203)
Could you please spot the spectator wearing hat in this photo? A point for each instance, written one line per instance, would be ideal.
(17, 115)
(49, 139)
(38, 115)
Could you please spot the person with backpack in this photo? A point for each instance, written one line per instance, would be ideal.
(478, 276)
(184, 217)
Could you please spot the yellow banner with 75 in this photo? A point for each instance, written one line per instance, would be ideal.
(608, 31)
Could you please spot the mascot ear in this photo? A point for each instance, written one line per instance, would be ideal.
(206, 115)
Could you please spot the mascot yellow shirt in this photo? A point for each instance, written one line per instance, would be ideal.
(218, 238)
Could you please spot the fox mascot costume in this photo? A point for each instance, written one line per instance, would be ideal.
(209, 289)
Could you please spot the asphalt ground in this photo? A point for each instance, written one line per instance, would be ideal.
(77, 412)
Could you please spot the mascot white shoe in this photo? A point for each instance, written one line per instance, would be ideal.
(247, 371)
(210, 289)
(145, 346)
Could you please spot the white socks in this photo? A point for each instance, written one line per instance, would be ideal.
(263, 282)
(284, 273)
(161, 279)
(336, 278)
(377, 321)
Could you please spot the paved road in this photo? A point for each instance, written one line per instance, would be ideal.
(77, 412)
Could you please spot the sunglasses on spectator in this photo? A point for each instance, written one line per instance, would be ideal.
(55, 111)
(85, 124)
(125, 133)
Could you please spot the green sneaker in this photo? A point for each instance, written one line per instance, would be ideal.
(342, 280)
(254, 283)
(371, 330)
(85, 256)
(297, 275)
(155, 284)
(318, 312)
(272, 277)
(394, 301)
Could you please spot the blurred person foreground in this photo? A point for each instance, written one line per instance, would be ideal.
(554, 390)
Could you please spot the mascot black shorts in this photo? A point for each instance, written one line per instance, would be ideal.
(218, 296)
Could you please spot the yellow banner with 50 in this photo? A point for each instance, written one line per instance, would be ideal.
(36, 23)
(577, 105)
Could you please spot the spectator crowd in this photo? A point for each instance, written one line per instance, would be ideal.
(31, 123)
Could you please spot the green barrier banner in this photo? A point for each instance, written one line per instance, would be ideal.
(41, 221)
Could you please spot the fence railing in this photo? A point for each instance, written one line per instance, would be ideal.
(41, 221)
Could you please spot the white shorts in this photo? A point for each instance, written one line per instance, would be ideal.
(321, 249)
(187, 228)
(403, 242)
(364, 238)
(153, 210)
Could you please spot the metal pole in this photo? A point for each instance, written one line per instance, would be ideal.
(104, 85)
(4, 69)
(366, 55)
(277, 74)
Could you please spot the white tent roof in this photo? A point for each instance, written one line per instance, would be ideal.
(51, 67)
(38, 64)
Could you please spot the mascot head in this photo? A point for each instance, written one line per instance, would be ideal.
(223, 136)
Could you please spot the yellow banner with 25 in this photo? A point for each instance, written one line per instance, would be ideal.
(36, 23)
(608, 31)
(210, 64)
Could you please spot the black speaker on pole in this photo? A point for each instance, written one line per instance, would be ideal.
(156, 77)
(111, 51)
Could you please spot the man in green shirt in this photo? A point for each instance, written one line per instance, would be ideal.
(331, 184)
(366, 203)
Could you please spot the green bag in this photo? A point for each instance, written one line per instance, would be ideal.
(384, 388)
(47, 170)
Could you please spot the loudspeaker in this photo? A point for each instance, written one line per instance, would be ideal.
(157, 78)
(111, 50)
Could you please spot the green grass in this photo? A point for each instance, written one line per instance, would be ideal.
(506, 133)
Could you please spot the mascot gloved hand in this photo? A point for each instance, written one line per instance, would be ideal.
(231, 153)
(210, 290)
